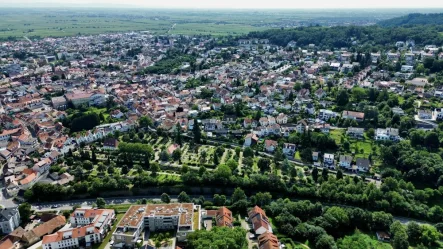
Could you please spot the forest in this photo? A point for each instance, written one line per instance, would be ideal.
(414, 19)
(341, 36)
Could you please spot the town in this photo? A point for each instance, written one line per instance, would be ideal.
(224, 131)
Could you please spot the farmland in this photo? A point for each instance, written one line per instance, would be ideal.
(52, 22)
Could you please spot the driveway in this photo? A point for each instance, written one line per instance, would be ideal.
(245, 225)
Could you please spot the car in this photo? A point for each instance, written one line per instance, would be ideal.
(54, 206)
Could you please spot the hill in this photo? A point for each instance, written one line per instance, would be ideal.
(348, 36)
(414, 19)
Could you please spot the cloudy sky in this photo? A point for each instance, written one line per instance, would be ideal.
(250, 4)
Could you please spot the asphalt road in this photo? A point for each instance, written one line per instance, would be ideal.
(68, 205)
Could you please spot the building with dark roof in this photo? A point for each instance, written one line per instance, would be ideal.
(9, 219)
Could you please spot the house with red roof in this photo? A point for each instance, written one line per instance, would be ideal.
(259, 220)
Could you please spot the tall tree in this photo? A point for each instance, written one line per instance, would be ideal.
(196, 132)
(178, 134)
(165, 198)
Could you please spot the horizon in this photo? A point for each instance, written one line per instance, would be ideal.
(225, 5)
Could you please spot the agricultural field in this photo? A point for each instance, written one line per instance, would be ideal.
(53, 22)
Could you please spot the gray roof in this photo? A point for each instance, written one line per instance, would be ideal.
(362, 162)
(7, 213)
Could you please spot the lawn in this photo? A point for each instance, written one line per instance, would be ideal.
(336, 134)
(109, 235)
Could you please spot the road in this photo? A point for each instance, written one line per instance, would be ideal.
(68, 205)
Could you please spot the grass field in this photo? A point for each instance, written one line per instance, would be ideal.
(55, 22)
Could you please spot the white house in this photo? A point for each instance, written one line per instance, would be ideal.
(289, 149)
(424, 114)
(345, 161)
(387, 134)
(282, 118)
(325, 115)
(328, 160)
(9, 219)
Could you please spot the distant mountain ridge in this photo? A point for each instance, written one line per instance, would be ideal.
(414, 19)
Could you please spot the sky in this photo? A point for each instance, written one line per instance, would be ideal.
(228, 4)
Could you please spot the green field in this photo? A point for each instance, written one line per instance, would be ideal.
(43, 22)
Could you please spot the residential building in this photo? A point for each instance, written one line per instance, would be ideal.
(289, 149)
(328, 159)
(355, 132)
(268, 240)
(270, 145)
(358, 116)
(282, 118)
(387, 134)
(424, 114)
(9, 219)
(250, 139)
(59, 103)
(91, 226)
(110, 144)
(325, 115)
(302, 126)
(259, 220)
(345, 161)
(78, 98)
(182, 217)
(223, 217)
(363, 164)
(315, 155)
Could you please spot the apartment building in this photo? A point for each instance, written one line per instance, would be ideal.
(9, 219)
(181, 217)
(91, 226)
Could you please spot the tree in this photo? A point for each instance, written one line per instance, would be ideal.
(94, 156)
(342, 98)
(248, 152)
(145, 121)
(278, 155)
(216, 159)
(218, 238)
(325, 242)
(100, 202)
(315, 174)
(178, 134)
(306, 155)
(164, 156)
(381, 221)
(183, 197)
(155, 167)
(196, 132)
(232, 164)
(414, 232)
(429, 235)
(339, 174)
(264, 164)
(325, 174)
(165, 198)
(399, 236)
(219, 200)
(25, 212)
(176, 154)
(238, 195)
